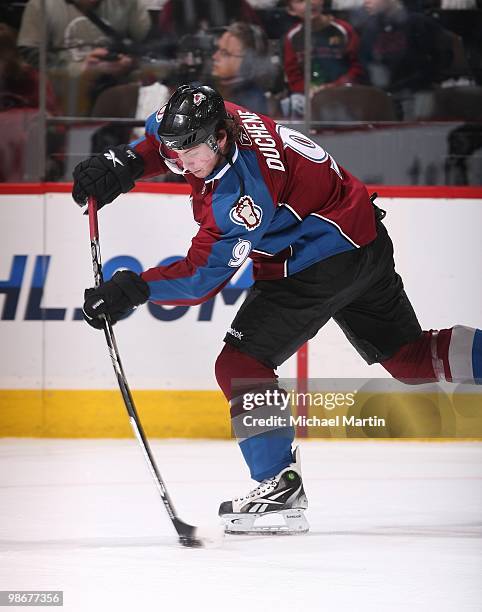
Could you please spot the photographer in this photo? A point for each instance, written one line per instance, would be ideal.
(82, 58)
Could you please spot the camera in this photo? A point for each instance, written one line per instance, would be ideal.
(111, 56)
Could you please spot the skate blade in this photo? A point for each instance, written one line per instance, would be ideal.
(295, 523)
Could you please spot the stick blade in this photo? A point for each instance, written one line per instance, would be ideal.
(199, 537)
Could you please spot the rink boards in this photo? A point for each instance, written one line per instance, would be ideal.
(56, 378)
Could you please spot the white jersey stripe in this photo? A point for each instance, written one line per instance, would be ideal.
(460, 354)
(338, 227)
(291, 209)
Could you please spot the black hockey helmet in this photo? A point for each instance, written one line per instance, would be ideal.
(191, 116)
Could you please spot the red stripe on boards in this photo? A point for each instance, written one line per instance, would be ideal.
(385, 191)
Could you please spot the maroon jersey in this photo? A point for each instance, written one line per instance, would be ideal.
(283, 201)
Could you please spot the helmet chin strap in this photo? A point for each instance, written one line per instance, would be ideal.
(173, 167)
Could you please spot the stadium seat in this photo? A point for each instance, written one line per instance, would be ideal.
(462, 103)
(353, 103)
(117, 101)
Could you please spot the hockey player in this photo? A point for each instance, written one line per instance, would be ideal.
(319, 251)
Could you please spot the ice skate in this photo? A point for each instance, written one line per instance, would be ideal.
(281, 498)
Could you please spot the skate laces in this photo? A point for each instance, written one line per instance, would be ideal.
(264, 487)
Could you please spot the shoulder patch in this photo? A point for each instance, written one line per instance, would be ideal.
(243, 138)
(246, 212)
(152, 125)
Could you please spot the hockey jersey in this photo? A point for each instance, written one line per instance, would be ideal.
(334, 55)
(283, 201)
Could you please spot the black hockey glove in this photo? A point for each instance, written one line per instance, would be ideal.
(106, 175)
(116, 297)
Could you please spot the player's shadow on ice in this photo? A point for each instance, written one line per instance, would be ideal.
(463, 530)
(86, 543)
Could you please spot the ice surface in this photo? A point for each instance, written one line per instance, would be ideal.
(394, 526)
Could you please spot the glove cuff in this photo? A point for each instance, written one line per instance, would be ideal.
(135, 161)
(125, 164)
(133, 285)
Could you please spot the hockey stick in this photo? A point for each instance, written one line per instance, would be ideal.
(187, 533)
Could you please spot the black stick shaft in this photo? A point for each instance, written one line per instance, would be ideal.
(183, 529)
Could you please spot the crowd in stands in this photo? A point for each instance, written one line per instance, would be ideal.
(373, 60)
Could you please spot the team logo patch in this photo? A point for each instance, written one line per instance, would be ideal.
(198, 98)
(246, 212)
(243, 138)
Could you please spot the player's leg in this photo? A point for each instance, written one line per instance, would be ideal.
(453, 354)
(276, 319)
(251, 388)
(382, 325)
(243, 379)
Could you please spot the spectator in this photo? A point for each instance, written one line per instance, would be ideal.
(80, 49)
(240, 63)
(403, 52)
(19, 82)
(460, 167)
(334, 56)
(179, 17)
(19, 110)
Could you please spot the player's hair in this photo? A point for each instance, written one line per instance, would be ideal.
(251, 36)
(256, 63)
(232, 129)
